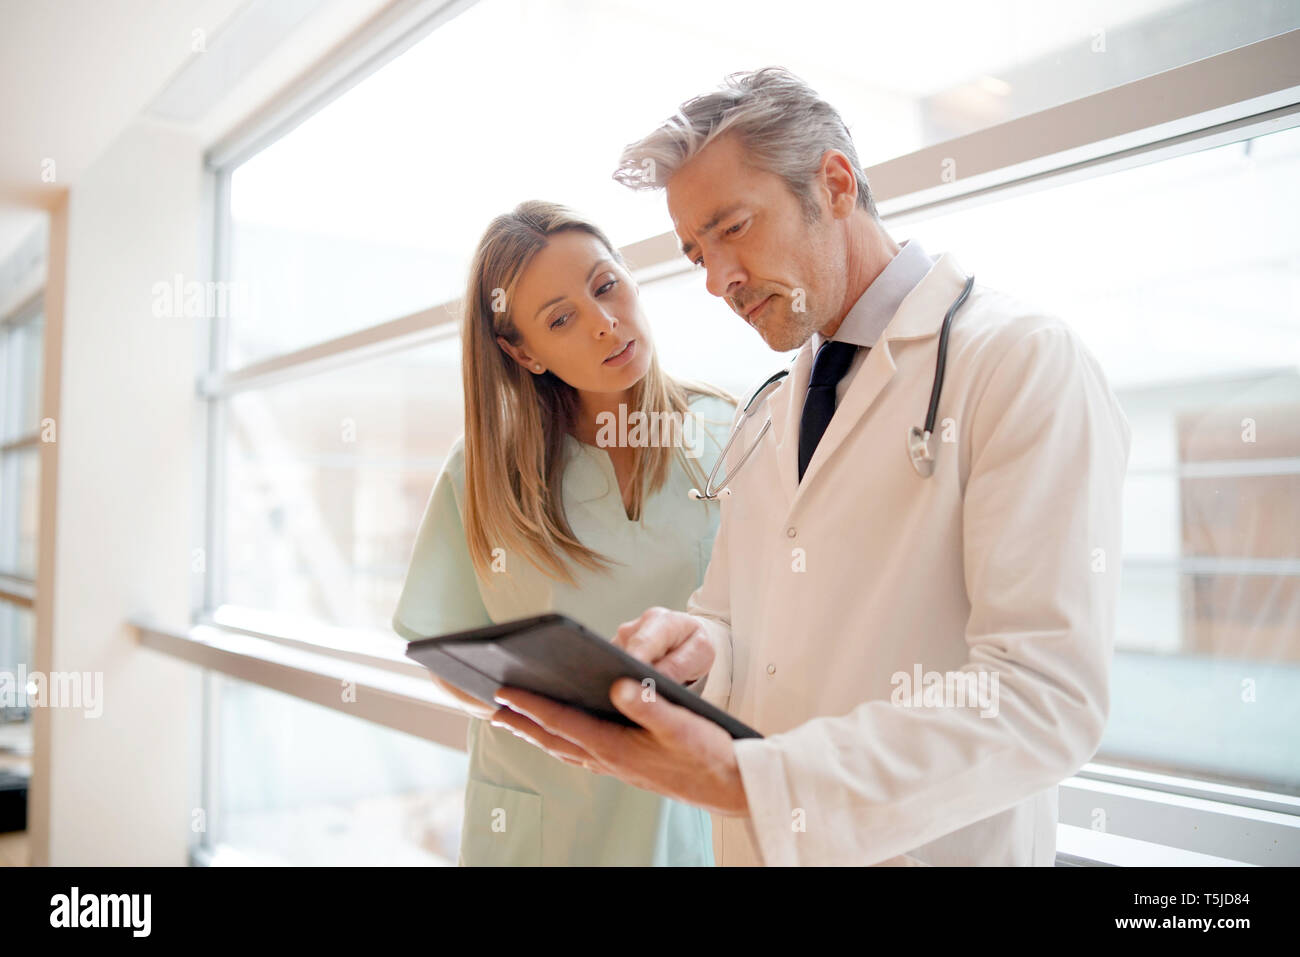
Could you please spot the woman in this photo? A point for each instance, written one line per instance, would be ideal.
(560, 499)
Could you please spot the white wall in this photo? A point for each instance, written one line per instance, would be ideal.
(116, 495)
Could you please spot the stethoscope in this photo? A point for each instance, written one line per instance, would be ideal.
(920, 448)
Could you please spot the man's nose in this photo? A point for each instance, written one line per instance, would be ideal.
(724, 277)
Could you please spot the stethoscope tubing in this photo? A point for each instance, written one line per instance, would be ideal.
(932, 411)
(941, 359)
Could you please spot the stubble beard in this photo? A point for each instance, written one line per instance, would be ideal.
(786, 330)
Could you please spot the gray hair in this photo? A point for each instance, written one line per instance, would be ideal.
(784, 125)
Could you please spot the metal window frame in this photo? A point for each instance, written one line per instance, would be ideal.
(15, 587)
(209, 457)
(1249, 91)
(17, 590)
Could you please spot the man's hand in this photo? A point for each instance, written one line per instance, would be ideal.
(674, 752)
(671, 641)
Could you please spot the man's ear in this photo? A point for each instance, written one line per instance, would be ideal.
(840, 182)
(520, 355)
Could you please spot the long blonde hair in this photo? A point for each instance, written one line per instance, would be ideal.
(516, 422)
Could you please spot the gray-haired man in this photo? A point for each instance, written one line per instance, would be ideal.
(839, 568)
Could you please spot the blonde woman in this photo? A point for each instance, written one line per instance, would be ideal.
(561, 497)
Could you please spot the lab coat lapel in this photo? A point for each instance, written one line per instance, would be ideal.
(920, 316)
(786, 408)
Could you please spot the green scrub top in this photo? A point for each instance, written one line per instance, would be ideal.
(522, 806)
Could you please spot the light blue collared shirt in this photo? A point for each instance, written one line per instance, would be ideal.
(876, 307)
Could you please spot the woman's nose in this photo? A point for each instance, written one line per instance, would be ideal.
(606, 322)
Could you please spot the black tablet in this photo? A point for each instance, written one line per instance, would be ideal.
(553, 655)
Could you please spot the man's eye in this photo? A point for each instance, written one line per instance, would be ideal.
(732, 231)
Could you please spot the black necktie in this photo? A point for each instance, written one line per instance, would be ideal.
(829, 365)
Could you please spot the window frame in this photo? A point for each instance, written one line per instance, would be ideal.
(17, 589)
(15, 586)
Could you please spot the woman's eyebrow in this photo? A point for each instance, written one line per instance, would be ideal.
(547, 305)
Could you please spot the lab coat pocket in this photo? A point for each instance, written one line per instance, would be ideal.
(502, 827)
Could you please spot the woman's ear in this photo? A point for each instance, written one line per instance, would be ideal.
(520, 356)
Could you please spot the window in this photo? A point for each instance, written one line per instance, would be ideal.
(370, 208)
(20, 356)
(17, 645)
(21, 352)
(305, 785)
(1181, 276)
(324, 477)
(334, 386)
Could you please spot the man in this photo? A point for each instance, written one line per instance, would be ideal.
(849, 595)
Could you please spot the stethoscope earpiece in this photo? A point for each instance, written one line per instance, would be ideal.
(698, 496)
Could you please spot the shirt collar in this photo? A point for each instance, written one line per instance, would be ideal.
(877, 305)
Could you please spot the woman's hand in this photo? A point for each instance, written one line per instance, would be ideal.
(467, 703)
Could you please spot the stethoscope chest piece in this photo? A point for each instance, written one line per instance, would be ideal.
(920, 452)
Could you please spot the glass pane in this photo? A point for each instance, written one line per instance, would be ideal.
(20, 386)
(17, 643)
(20, 491)
(1188, 297)
(370, 209)
(17, 646)
(698, 337)
(29, 506)
(8, 385)
(300, 784)
(327, 479)
(30, 343)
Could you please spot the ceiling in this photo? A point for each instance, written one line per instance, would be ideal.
(78, 72)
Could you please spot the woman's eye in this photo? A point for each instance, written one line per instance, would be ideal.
(607, 286)
(559, 321)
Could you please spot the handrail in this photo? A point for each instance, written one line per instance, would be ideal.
(18, 591)
(403, 702)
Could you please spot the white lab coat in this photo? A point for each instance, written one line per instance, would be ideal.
(1005, 561)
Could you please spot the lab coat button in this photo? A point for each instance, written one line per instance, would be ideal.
(771, 669)
(790, 532)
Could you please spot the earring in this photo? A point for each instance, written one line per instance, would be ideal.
(537, 367)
